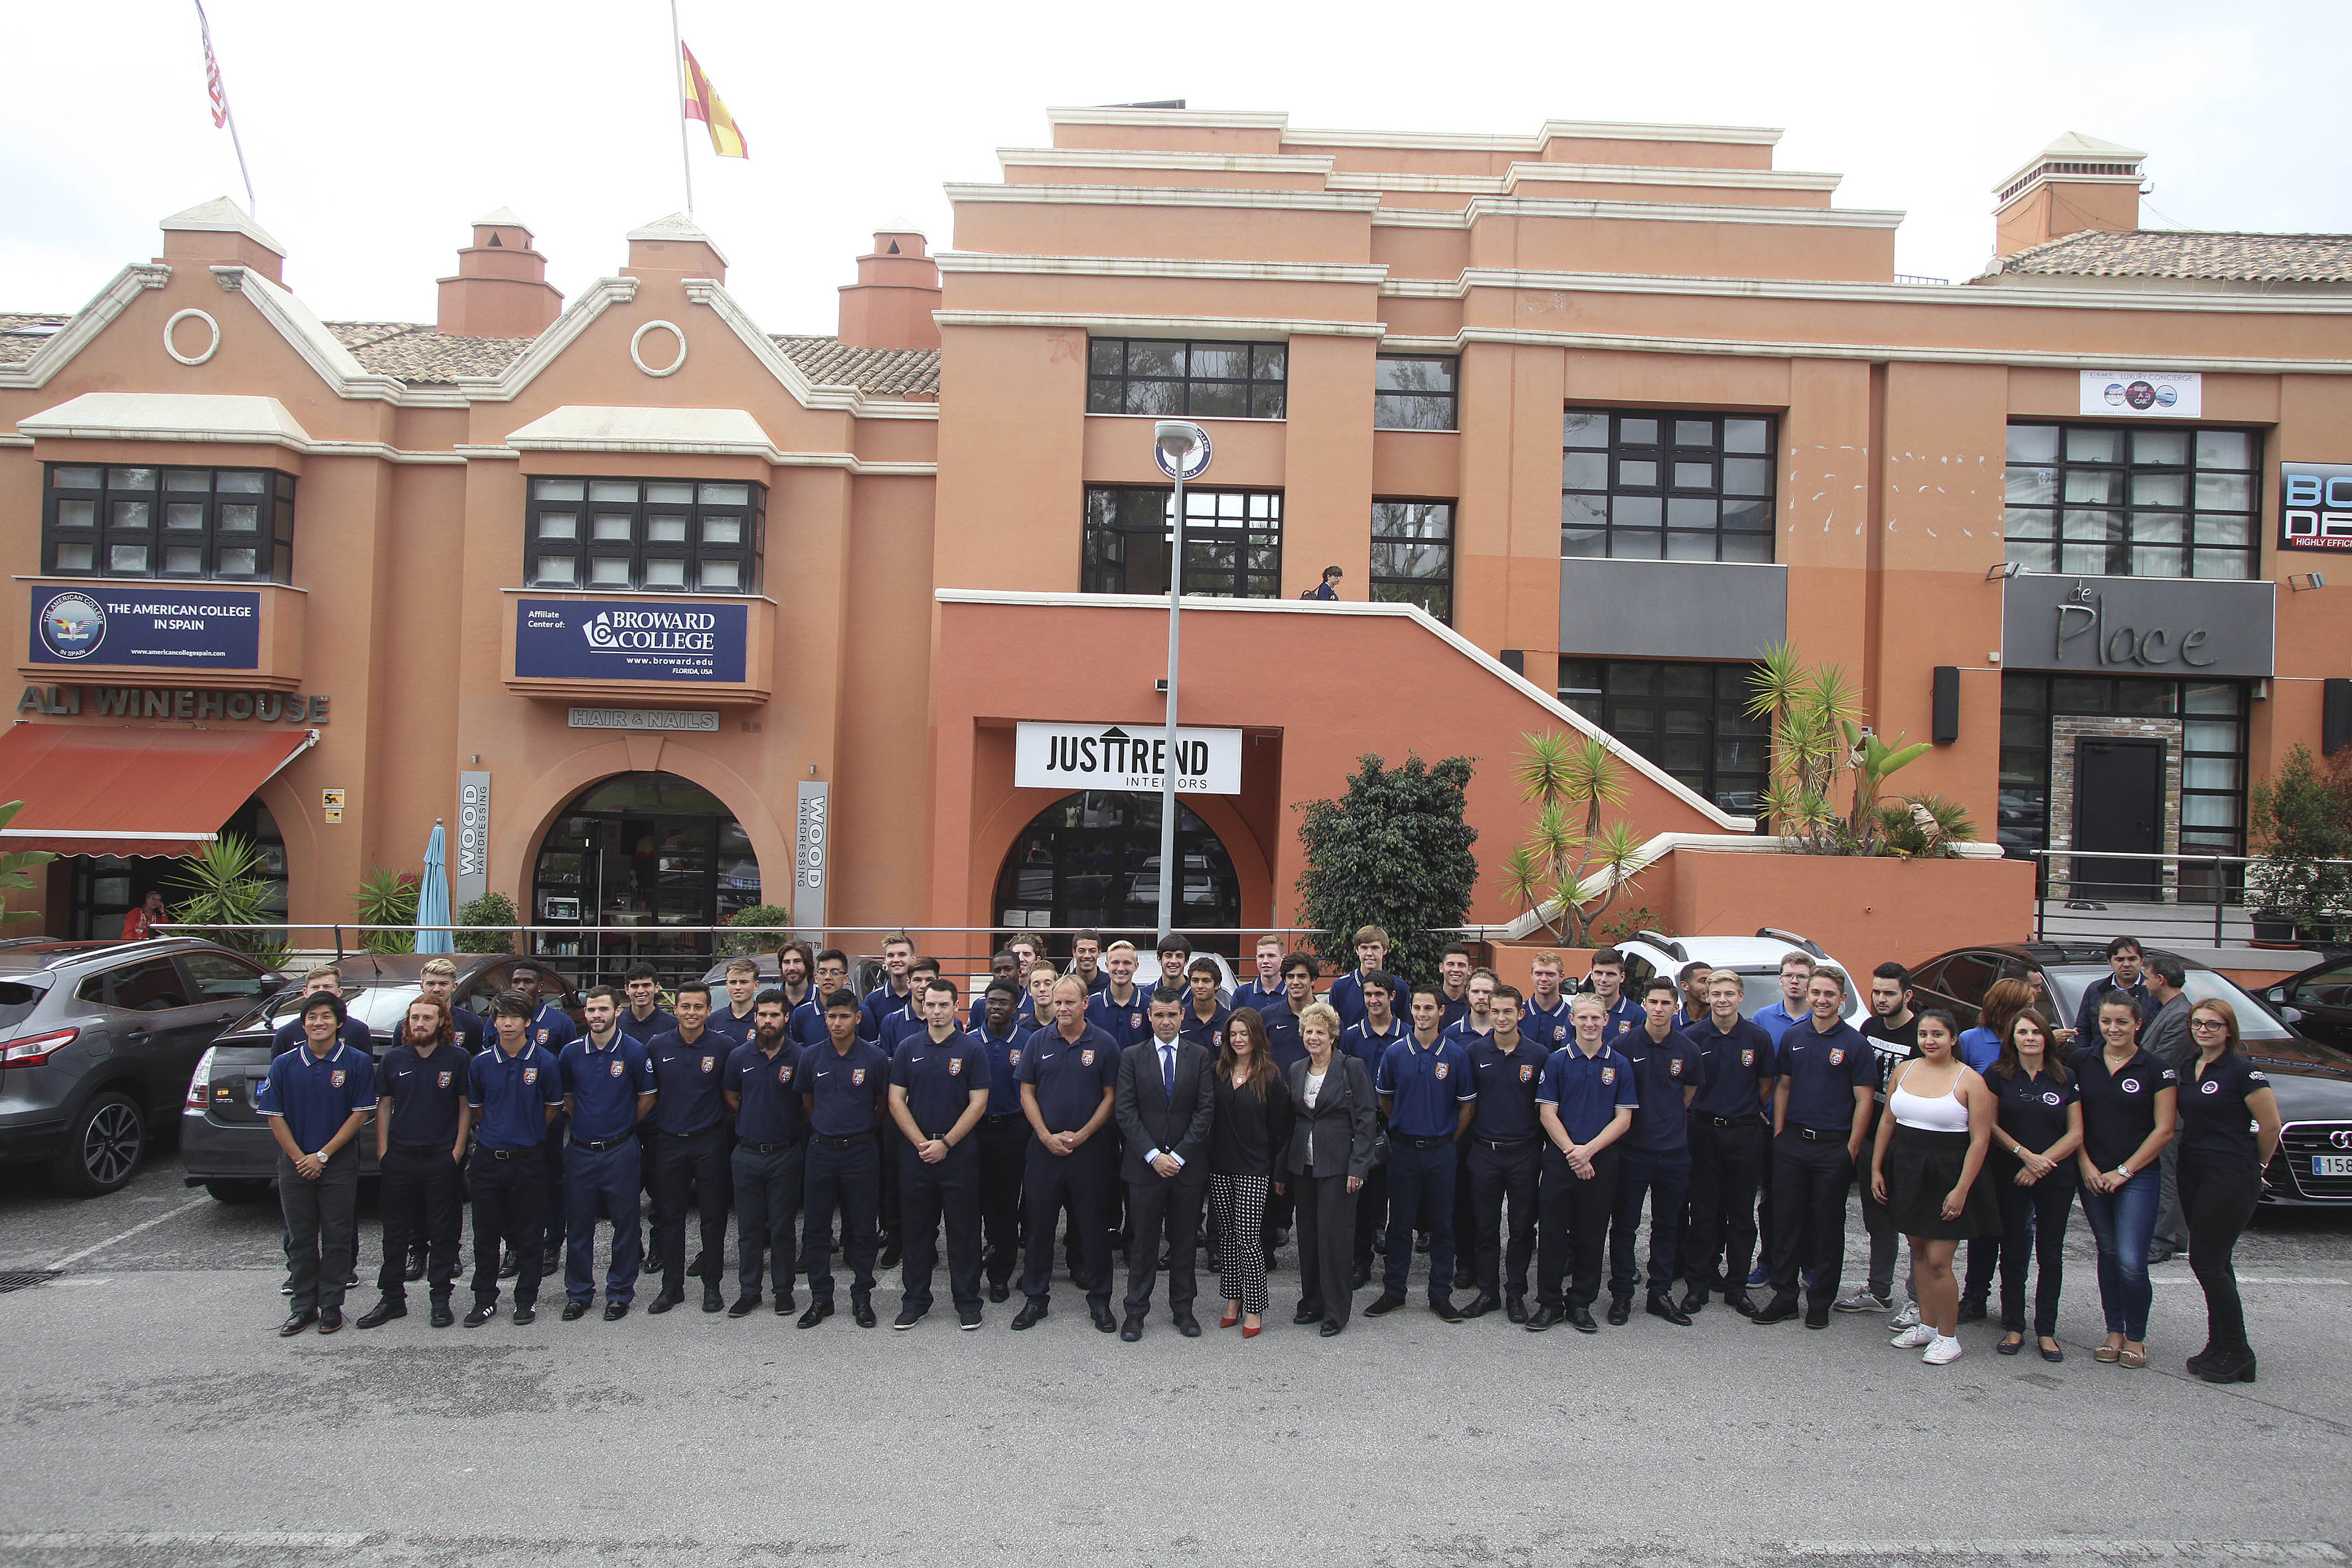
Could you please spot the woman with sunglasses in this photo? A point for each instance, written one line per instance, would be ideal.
(2033, 1146)
(2130, 1100)
(2229, 1130)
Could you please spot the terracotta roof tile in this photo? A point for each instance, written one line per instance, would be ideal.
(2180, 253)
(413, 353)
(889, 372)
(22, 334)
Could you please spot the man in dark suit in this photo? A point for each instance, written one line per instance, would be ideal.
(1165, 1100)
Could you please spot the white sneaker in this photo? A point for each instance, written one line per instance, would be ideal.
(1908, 1318)
(1912, 1338)
(1943, 1352)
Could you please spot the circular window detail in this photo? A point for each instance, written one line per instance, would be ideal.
(637, 345)
(172, 328)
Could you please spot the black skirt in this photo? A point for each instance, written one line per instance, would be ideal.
(1922, 1167)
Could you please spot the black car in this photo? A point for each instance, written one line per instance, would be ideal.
(2318, 1002)
(2312, 1080)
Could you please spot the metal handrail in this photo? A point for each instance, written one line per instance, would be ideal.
(2220, 892)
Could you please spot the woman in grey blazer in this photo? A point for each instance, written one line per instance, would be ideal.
(1330, 1154)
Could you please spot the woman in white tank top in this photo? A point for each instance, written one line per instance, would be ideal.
(1931, 1148)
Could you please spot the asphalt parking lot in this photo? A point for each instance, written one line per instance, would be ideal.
(151, 1417)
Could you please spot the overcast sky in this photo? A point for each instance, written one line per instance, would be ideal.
(376, 133)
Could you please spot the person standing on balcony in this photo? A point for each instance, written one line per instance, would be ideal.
(1329, 588)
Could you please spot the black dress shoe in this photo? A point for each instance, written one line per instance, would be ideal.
(1544, 1318)
(818, 1312)
(509, 1264)
(1389, 1302)
(862, 1313)
(1742, 1303)
(1306, 1314)
(1131, 1330)
(1444, 1307)
(616, 1311)
(523, 1316)
(663, 1303)
(1778, 1309)
(998, 1290)
(712, 1302)
(745, 1305)
(1487, 1301)
(1103, 1320)
(1694, 1301)
(784, 1304)
(550, 1266)
(1031, 1313)
(1972, 1310)
(330, 1320)
(1580, 1319)
(415, 1268)
(890, 1254)
(380, 1315)
(1664, 1307)
(574, 1311)
(1515, 1308)
(480, 1315)
(441, 1316)
(297, 1323)
(1359, 1276)
(1187, 1325)
(1331, 1327)
(1621, 1311)
(1818, 1316)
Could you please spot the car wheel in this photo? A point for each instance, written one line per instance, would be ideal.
(237, 1192)
(103, 1148)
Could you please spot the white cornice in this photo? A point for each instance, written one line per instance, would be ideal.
(1167, 267)
(2018, 358)
(1866, 293)
(1553, 129)
(91, 319)
(659, 431)
(209, 418)
(1257, 327)
(1591, 174)
(1164, 196)
(1639, 212)
(1230, 118)
(308, 335)
(1445, 633)
(545, 348)
(1155, 158)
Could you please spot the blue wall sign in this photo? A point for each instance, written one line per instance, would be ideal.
(148, 623)
(625, 639)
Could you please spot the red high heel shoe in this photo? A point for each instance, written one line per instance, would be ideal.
(1252, 1332)
(1229, 1319)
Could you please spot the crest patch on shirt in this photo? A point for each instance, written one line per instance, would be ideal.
(1608, 1077)
(709, 1064)
(1837, 1056)
(2210, 1086)
(2129, 1086)
(856, 1078)
(2052, 1097)
(1441, 1072)
(529, 1075)
(1134, 1020)
(1012, 1058)
(445, 1078)
(955, 1067)
(616, 1068)
(785, 1073)
(1086, 1058)
(336, 1078)
(1526, 1075)
(1748, 1057)
(1674, 1067)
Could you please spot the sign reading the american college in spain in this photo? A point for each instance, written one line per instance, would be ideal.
(181, 628)
(616, 639)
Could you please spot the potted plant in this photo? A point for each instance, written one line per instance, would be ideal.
(2298, 884)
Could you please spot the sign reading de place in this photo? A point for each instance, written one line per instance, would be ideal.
(1106, 756)
(618, 639)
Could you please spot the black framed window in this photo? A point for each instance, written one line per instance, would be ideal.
(2133, 501)
(1412, 556)
(1652, 484)
(1413, 391)
(1691, 719)
(232, 525)
(1173, 376)
(1232, 541)
(663, 536)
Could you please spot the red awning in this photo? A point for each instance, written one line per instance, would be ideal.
(132, 792)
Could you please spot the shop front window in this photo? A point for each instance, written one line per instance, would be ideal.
(2128, 500)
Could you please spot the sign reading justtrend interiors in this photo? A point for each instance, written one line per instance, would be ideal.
(1111, 756)
(621, 639)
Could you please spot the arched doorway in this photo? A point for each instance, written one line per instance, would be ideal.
(1093, 860)
(645, 851)
(103, 888)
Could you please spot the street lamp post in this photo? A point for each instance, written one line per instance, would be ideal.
(1182, 450)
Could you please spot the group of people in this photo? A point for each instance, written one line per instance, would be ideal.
(1492, 1130)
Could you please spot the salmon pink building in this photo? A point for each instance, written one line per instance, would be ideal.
(664, 615)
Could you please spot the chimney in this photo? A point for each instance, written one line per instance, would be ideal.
(219, 233)
(898, 288)
(2076, 183)
(501, 289)
(674, 246)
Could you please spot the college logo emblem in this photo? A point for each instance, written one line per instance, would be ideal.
(2129, 1086)
(1086, 1058)
(529, 1075)
(856, 1078)
(445, 1079)
(1134, 1020)
(2052, 1097)
(336, 1078)
(1837, 1058)
(2210, 1085)
(72, 625)
(616, 1068)
(1748, 1057)
(1441, 1072)
(784, 1073)
(955, 1067)
(1674, 1067)
(1013, 1058)
(709, 1064)
(1526, 1075)
(1559, 1031)
(1608, 1075)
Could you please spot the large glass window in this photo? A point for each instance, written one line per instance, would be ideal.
(1412, 391)
(1232, 541)
(234, 525)
(1691, 719)
(1171, 378)
(1412, 556)
(1649, 485)
(664, 536)
(2131, 500)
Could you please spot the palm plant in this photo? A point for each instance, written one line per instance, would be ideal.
(387, 897)
(16, 865)
(1570, 780)
(224, 888)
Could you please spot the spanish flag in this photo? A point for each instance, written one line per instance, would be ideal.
(704, 104)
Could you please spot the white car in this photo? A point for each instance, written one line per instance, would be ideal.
(1755, 958)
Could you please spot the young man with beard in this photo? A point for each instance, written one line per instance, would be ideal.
(770, 1158)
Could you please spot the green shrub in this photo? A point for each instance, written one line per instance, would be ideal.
(489, 910)
(765, 925)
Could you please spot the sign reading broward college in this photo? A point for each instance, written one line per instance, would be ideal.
(180, 629)
(1105, 756)
(616, 639)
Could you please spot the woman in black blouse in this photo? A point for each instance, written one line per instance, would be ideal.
(2229, 1130)
(2033, 1146)
(1250, 1130)
(2129, 1103)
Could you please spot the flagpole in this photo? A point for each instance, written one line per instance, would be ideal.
(678, 75)
(228, 115)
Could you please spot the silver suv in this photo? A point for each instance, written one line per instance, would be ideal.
(97, 1039)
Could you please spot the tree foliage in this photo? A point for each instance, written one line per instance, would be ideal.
(16, 866)
(765, 928)
(1393, 851)
(2300, 819)
(489, 910)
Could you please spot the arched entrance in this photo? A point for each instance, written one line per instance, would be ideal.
(1093, 860)
(644, 850)
(103, 888)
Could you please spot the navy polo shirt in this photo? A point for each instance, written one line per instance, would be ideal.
(1368, 1044)
(2118, 1108)
(1550, 1028)
(1507, 1088)
(2032, 1109)
(1282, 1036)
(316, 1095)
(1070, 1076)
(1127, 1022)
(513, 1093)
(1626, 1018)
(1250, 993)
(1347, 998)
(1465, 1032)
(1207, 1033)
(689, 1076)
(896, 1027)
(880, 1003)
(1739, 1066)
(939, 1078)
(650, 1027)
(1004, 1053)
(1662, 1071)
(769, 1087)
(426, 1093)
(735, 1031)
(846, 1089)
(2217, 1128)
(1425, 1087)
(1823, 1070)
(473, 1030)
(604, 1084)
(352, 1032)
(1449, 1012)
(1587, 1090)
(804, 1025)
(551, 1029)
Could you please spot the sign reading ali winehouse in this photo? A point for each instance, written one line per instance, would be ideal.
(1105, 756)
(2186, 627)
(615, 639)
(180, 629)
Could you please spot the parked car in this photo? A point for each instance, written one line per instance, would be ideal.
(2318, 1002)
(2312, 1080)
(1755, 958)
(224, 1143)
(96, 1040)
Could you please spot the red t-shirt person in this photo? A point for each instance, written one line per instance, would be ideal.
(140, 924)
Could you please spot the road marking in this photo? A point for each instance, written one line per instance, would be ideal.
(145, 1225)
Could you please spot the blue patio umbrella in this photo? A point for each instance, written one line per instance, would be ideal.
(433, 896)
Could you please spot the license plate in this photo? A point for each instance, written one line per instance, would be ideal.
(2331, 1165)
